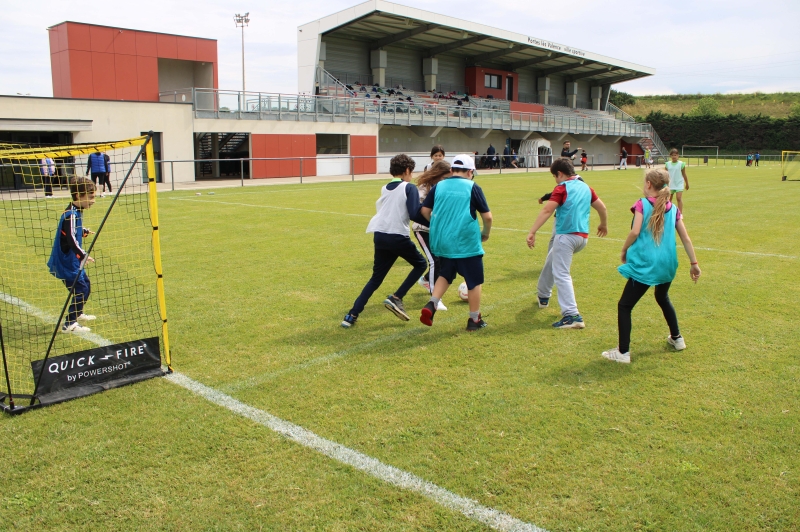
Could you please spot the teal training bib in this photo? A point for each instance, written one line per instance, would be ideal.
(454, 233)
(648, 263)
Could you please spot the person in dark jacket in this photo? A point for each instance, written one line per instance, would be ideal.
(568, 154)
(96, 166)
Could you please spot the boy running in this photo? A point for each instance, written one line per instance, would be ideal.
(570, 200)
(67, 257)
(397, 206)
(455, 236)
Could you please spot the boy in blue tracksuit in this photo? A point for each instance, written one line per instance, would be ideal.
(571, 200)
(68, 258)
(397, 206)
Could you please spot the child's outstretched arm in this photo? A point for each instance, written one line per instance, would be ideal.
(600, 207)
(546, 212)
(636, 228)
(694, 270)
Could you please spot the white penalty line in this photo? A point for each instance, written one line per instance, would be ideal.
(372, 466)
(735, 252)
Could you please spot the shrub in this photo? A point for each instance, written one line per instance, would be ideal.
(619, 98)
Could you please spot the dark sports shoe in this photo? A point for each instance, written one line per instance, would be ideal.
(473, 325)
(349, 321)
(570, 322)
(426, 316)
(544, 302)
(395, 304)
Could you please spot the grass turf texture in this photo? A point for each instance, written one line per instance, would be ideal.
(521, 417)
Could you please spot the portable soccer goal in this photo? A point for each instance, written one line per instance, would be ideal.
(790, 165)
(122, 337)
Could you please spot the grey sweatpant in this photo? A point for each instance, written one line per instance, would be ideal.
(556, 271)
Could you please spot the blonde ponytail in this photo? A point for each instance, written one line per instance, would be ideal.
(659, 180)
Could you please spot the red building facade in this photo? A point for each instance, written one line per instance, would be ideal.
(104, 63)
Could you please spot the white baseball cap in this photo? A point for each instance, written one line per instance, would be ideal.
(463, 162)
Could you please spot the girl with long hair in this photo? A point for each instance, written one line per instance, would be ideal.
(649, 258)
(435, 172)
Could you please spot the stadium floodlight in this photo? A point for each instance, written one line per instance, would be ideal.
(242, 21)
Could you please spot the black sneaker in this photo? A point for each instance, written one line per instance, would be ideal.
(349, 321)
(426, 316)
(395, 304)
(473, 325)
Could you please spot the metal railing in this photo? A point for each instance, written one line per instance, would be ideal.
(217, 103)
(618, 113)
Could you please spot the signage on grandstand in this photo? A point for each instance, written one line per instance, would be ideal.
(557, 47)
(98, 366)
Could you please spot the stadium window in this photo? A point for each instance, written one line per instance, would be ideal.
(492, 81)
(333, 144)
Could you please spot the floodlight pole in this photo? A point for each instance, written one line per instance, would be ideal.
(241, 21)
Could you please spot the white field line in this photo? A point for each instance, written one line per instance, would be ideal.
(50, 318)
(391, 475)
(272, 207)
(256, 380)
(372, 466)
(733, 251)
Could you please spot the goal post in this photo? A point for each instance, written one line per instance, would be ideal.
(82, 304)
(790, 166)
(697, 147)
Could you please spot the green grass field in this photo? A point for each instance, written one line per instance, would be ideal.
(522, 418)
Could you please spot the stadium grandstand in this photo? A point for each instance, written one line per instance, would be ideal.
(373, 80)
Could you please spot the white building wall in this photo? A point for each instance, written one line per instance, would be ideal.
(112, 120)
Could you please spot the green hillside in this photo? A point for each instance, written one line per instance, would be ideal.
(775, 105)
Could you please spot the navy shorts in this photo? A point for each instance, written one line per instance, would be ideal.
(471, 268)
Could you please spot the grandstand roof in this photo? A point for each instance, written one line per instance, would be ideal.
(384, 23)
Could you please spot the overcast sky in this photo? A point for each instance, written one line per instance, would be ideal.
(696, 46)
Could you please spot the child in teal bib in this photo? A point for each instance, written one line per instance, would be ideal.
(649, 259)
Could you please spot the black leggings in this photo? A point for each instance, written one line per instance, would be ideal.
(631, 295)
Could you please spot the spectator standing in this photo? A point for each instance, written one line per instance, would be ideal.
(107, 176)
(757, 157)
(96, 165)
(491, 153)
(623, 159)
(48, 167)
(568, 154)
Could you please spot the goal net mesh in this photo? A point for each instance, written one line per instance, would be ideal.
(790, 165)
(124, 284)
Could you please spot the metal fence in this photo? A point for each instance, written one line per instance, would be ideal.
(215, 103)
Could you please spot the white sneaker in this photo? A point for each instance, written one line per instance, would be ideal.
(87, 317)
(440, 306)
(423, 282)
(74, 328)
(616, 356)
(678, 343)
